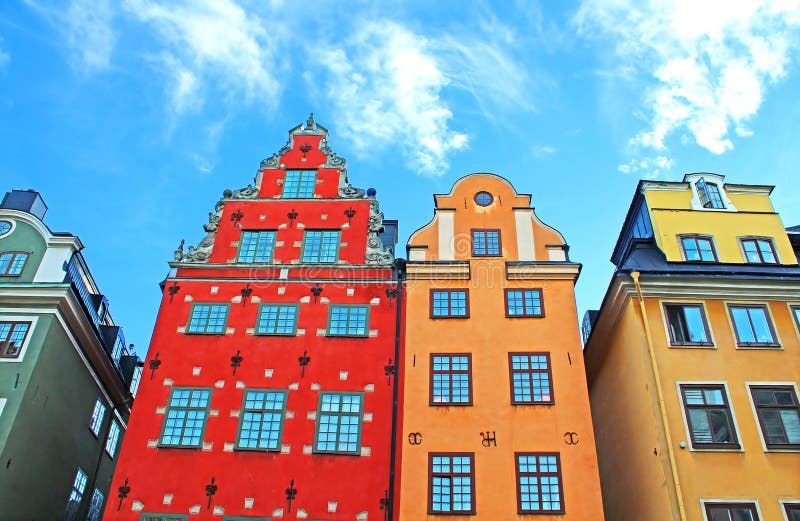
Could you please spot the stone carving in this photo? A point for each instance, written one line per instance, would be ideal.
(377, 253)
(351, 192)
(179, 252)
(248, 192)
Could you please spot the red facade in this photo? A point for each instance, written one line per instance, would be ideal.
(174, 448)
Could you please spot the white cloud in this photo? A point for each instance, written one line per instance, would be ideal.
(386, 88)
(4, 56)
(211, 46)
(540, 151)
(706, 65)
(87, 28)
(650, 167)
(391, 85)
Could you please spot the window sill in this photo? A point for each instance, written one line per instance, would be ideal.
(693, 346)
(442, 404)
(533, 403)
(760, 347)
(736, 449)
(275, 334)
(448, 316)
(203, 333)
(787, 449)
(524, 316)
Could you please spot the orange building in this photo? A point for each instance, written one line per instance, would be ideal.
(496, 418)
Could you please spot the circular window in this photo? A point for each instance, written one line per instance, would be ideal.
(484, 198)
(5, 227)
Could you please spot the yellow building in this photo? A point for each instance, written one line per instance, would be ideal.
(496, 419)
(693, 359)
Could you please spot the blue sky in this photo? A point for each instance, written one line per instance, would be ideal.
(132, 117)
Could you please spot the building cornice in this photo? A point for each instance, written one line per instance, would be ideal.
(59, 299)
(534, 270)
(430, 270)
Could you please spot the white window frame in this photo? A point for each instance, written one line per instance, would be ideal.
(95, 426)
(755, 412)
(688, 433)
(704, 501)
(114, 428)
(20, 318)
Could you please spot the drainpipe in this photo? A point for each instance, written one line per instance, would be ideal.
(661, 405)
(399, 272)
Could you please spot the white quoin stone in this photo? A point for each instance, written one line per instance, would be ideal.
(196, 371)
(294, 386)
(361, 516)
(167, 381)
(227, 447)
(315, 386)
(219, 384)
(301, 514)
(282, 289)
(187, 298)
(278, 512)
(369, 388)
(268, 373)
(214, 290)
(218, 510)
(194, 509)
(332, 506)
(167, 499)
(343, 375)
(351, 292)
(248, 502)
(137, 505)
(161, 410)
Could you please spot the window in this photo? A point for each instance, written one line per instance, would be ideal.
(185, 417)
(796, 313)
(687, 325)
(348, 320)
(485, 243)
(5, 227)
(12, 336)
(524, 303)
(277, 319)
(451, 483)
(321, 246)
(261, 419)
(752, 325)
(95, 507)
(731, 512)
(256, 246)
(113, 438)
(697, 248)
(759, 251)
(539, 487)
(449, 303)
(779, 416)
(531, 379)
(97, 417)
(451, 379)
(792, 511)
(75, 496)
(164, 517)
(299, 184)
(11, 263)
(339, 423)
(208, 319)
(483, 198)
(709, 417)
(709, 194)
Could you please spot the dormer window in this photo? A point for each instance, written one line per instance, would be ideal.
(299, 184)
(709, 194)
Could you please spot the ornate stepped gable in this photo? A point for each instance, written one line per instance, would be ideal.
(376, 253)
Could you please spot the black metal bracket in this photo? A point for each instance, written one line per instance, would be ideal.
(211, 489)
(153, 364)
(124, 490)
(172, 290)
(291, 494)
(316, 291)
(304, 361)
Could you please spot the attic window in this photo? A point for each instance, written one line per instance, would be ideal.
(483, 198)
(709, 194)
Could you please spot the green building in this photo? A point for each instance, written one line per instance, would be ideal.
(67, 378)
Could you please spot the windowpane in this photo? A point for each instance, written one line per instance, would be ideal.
(321, 246)
(698, 249)
(185, 417)
(348, 320)
(709, 416)
(524, 303)
(731, 512)
(261, 419)
(451, 487)
(97, 417)
(759, 251)
(752, 325)
(687, 324)
(75, 496)
(531, 378)
(792, 511)
(95, 507)
(12, 337)
(113, 438)
(451, 379)
(256, 246)
(339, 418)
(539, 488)
(449, 303)
(299, 184)
(208, 318)
(486, 242)
(779, 415)
(277, 319)
(11, 263)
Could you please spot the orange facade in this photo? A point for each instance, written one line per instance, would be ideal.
(496, 418)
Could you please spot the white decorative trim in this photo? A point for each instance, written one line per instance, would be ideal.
(704, 501)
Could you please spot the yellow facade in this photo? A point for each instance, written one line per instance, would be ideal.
(531, 255)
(639, 366)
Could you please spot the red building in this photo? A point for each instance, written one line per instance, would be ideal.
(268, 388)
